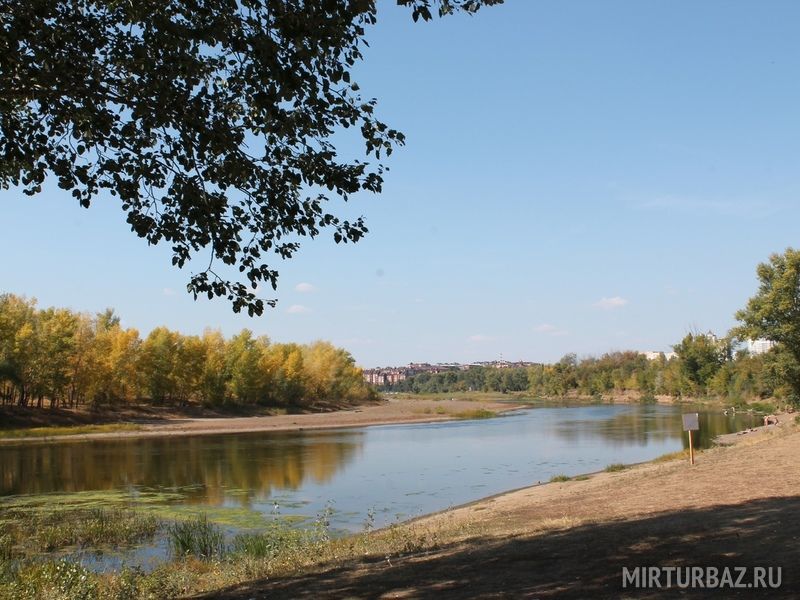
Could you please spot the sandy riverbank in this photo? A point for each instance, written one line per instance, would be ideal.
(394, 411)
(737, 506)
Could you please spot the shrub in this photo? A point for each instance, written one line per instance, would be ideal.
(61, 580)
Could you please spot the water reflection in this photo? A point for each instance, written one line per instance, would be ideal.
(394, 471)
(208, 470)
(645, 424)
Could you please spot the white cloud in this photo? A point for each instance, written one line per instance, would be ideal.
(549, 329)
(168, 292)
(479, 337)
(305, 288)
(611, 303)
(298, 309)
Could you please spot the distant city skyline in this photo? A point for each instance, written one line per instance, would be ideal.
(577, 177)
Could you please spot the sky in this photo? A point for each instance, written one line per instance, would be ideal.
(578, 177)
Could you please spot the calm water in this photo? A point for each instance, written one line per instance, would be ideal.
(397, 471)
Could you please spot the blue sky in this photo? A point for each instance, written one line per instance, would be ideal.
(578, 177)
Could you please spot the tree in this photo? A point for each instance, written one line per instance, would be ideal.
(157, 364)
(700, 357)
(213, 122)
(243, 353)
(54, 348)
(774, 312)
(16, 318)
(213, 382)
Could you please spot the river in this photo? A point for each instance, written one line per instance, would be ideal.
(382, 473)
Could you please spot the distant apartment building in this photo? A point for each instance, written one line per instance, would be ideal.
(655, 355)
(383, 376)
(388, 376)
(415, 368)
(392, 375)
(503, 364)
(760, 346)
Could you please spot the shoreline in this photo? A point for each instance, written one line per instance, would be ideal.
(390, 412)
(402, 410)
(723, 441)
(735, 506)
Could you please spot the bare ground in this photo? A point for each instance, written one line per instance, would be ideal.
(160, 423)
(738, 506)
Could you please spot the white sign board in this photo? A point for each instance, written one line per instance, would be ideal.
(691, 421)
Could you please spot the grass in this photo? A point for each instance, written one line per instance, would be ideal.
(40, 432)
(464, 396)
(561, 478)
(202, 560)
(27, 533)
(680, 454)
(615, 467)
(96, 528)
(439, 410)
(6, 546)
(59, 580)
(761, 407)
(266, 544)
(198, 537)
(480, 413)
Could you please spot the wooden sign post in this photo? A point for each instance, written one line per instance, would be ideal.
(691, 422)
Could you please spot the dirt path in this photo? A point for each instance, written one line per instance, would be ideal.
(738, 506)
(394, 411)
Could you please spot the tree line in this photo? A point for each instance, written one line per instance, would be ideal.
(56, 357)
(703, 366)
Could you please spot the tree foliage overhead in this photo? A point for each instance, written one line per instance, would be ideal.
(211, 120)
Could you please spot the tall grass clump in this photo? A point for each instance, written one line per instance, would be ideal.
(480, 413)
(613, 468)
(197, 537)
(269, 543)
(94, 527)
(32, 531)
(558, 478)
(682, 454)
(6, 546)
